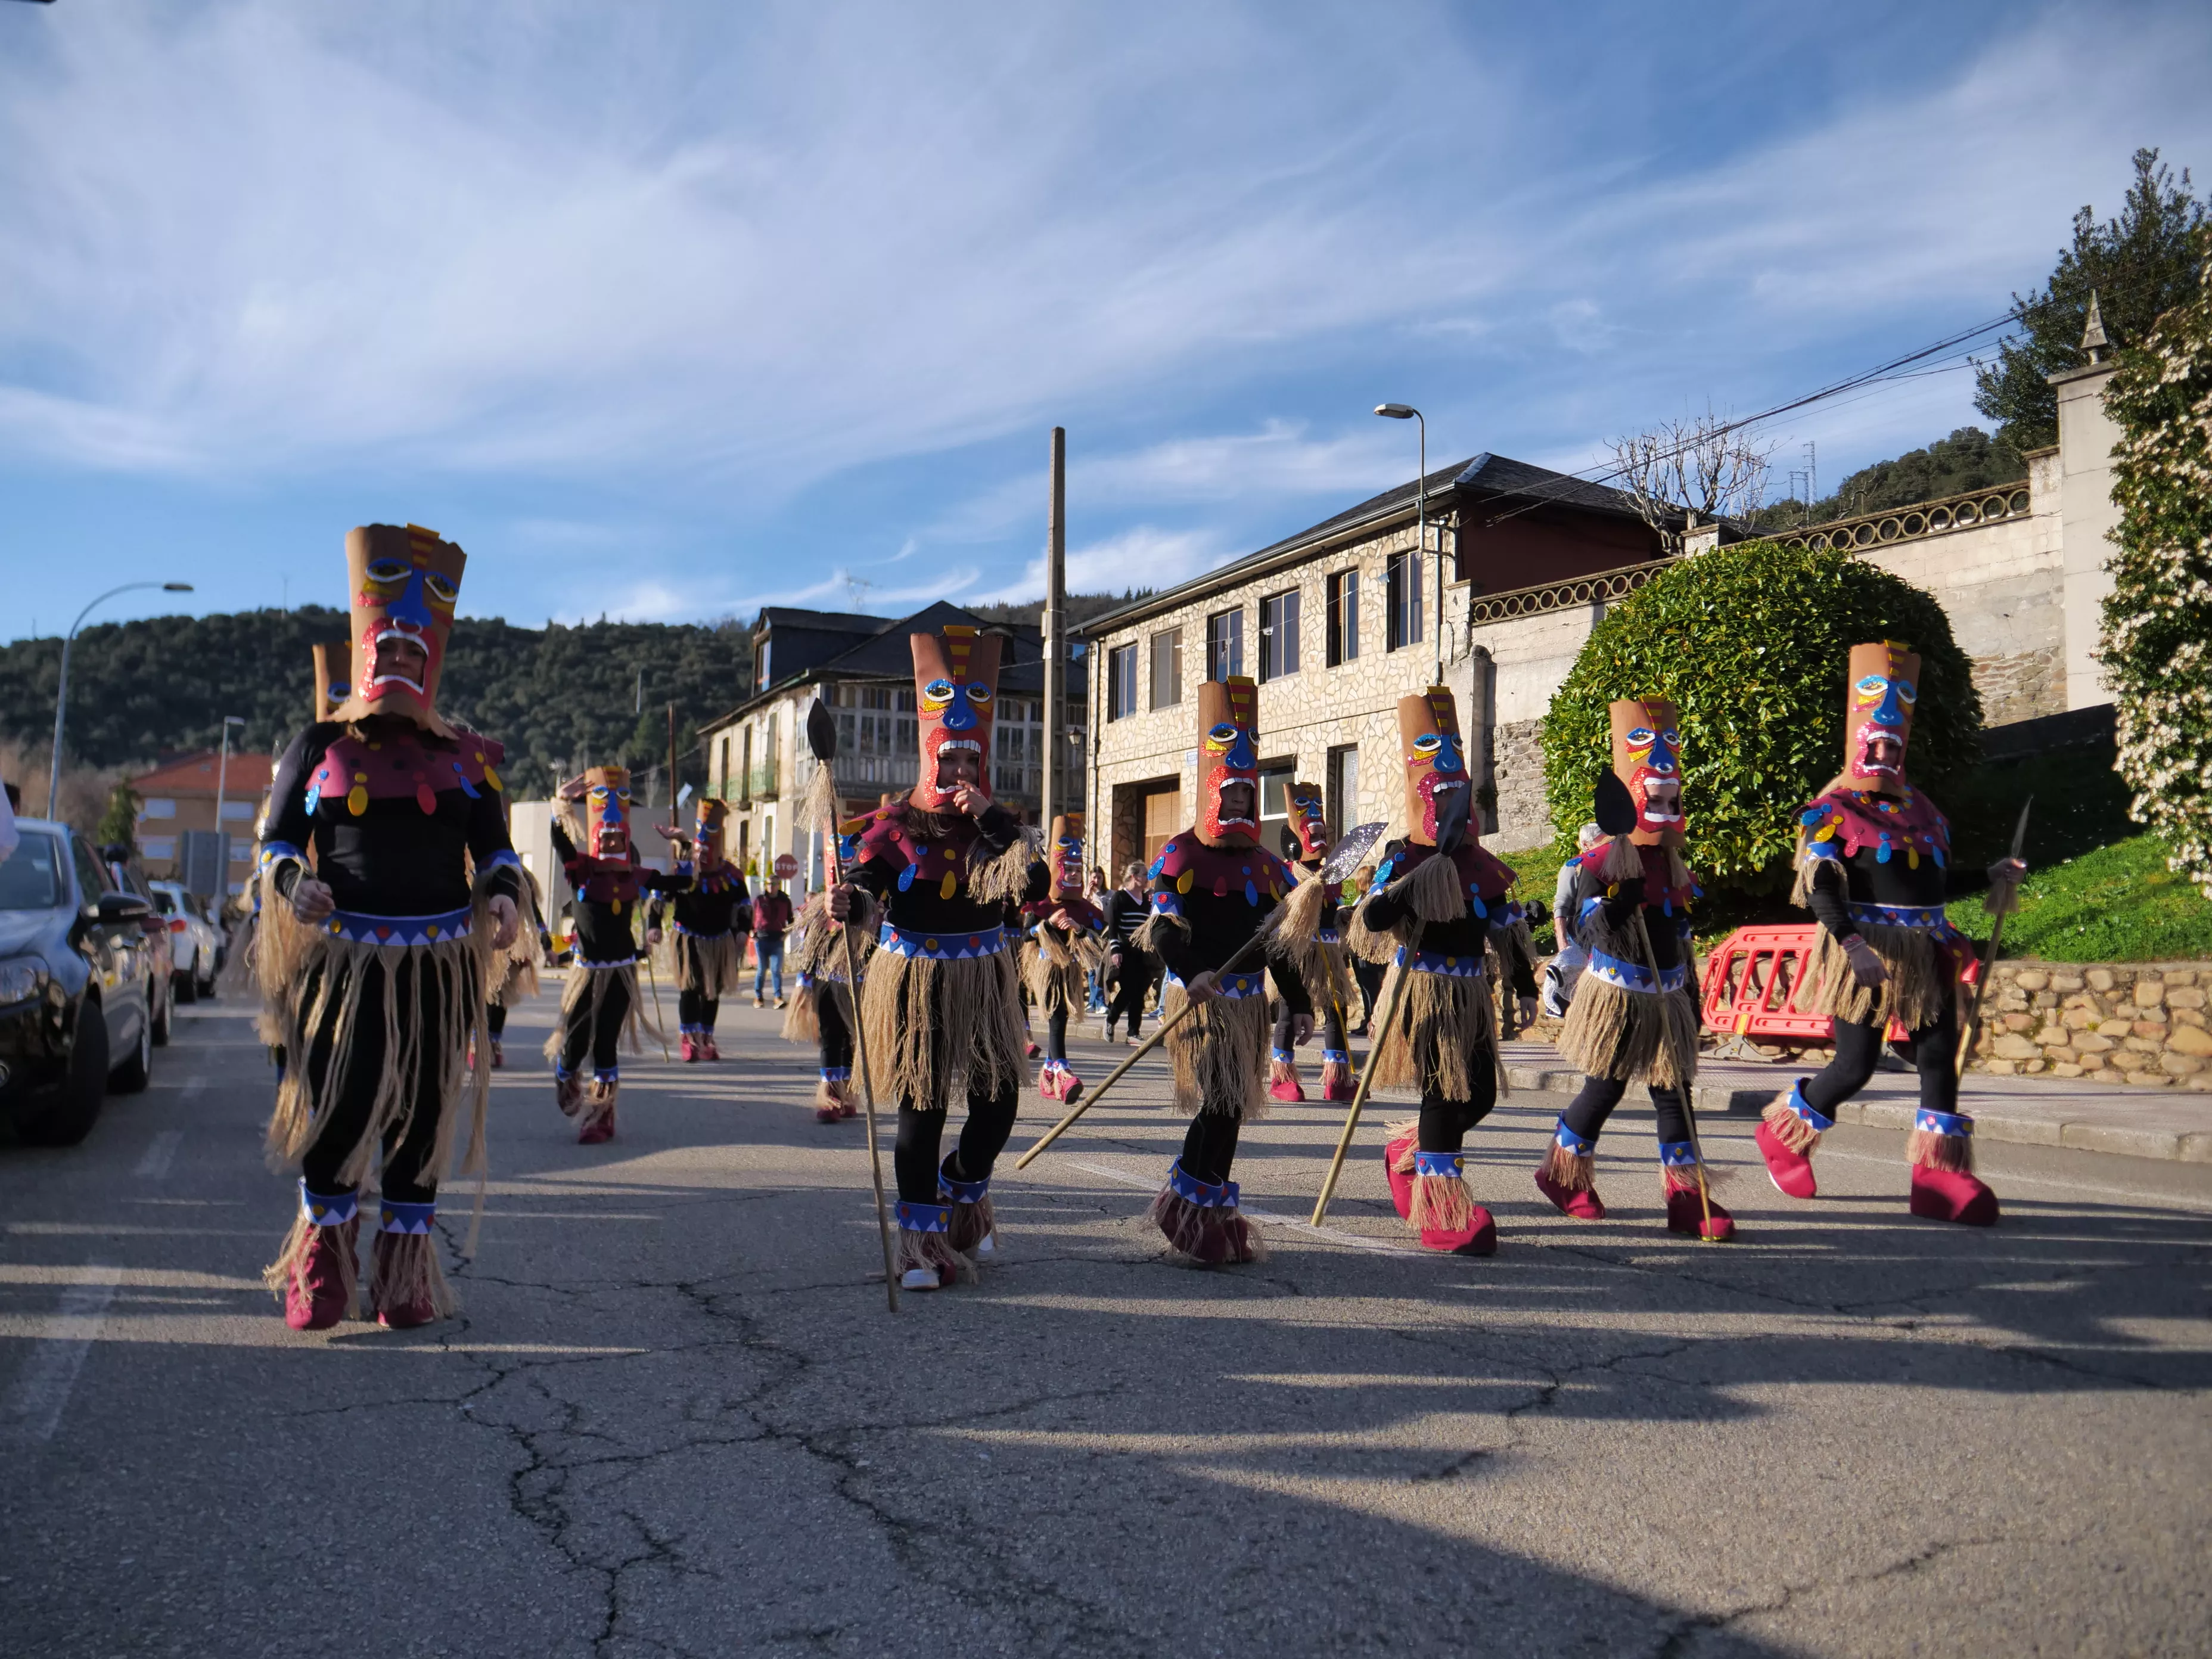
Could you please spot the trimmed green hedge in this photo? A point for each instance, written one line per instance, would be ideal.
(1751, 642)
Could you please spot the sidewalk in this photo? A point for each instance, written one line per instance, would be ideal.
(2131, 1122)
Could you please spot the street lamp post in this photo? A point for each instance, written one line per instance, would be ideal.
(61, 694)
(1407, 412)
(221, 834)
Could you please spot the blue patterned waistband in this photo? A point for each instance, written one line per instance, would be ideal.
(1634, 976)
(1929, 917)
(1231, 985)
(1435, 962)
(363, 929)
(943, 947)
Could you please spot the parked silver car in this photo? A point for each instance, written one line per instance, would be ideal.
(196, 944)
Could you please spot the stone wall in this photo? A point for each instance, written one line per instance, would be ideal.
(2133, 1022)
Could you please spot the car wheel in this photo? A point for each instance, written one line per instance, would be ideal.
(86, 1087)
(136, 1073)
(184, 987)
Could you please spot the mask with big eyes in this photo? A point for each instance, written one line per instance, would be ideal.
(1229, 763)
(706, 835)
(955, 682)
(606, 812)
(1878, 704)
(1309, 822)
(404, 584)
(333, 677)
(1437, 789)
(1066, 856)
(1647, 756)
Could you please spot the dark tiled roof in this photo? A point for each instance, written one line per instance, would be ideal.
(1484, 478)
(885, 654)
(835, 622)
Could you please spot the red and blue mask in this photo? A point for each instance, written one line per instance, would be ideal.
(1309, 822)
(707, 834)
(1066, 854)
(1647, 756)
(956, 683)
(1878, 705)
(1229, 763)
(405, 583)
(1436, 788)
(607, 813)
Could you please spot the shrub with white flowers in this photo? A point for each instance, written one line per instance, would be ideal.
(2156, 644)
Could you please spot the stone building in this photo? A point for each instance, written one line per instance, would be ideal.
(1336, 623)
(758, 759)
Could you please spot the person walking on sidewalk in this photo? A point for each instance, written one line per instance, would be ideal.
(1623, 1026)
(771, 921)
(1129, 965)
(1873, 867)
(375, 946)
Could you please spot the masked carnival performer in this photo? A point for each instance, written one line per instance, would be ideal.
(600, 1005)
(941, 1002)
(1631, 892)
(821, 1012)
(1064, 939)
(1213, 888)
(1309, 932)
(376, 943)
(1873, 867)
(709, 895)
(1435, 899)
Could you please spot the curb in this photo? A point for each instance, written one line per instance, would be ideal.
(2173, 1147)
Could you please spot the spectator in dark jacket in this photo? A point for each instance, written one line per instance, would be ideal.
(1129, 967)
(771, 921)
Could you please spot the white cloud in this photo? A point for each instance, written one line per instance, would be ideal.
(1141, 557)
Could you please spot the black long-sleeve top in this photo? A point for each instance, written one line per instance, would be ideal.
(1126, 915)
(605, 899)
(708, 904)
(916, 866)
(394, 815)
(1488, 911)
(1222, 896)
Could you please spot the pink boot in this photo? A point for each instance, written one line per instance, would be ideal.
(1398, 1165)
(1282, 1077)
(600, 1121)
(405, 1284)
(1944, 1186)
(689, 1051)
(315, 1274)
(1336, 1085)
(567, 1092)
(1567, 1175)
(1787, 1133)
(1048, 1082)
(1443, 1212)
(498, 1054)
(707, 1049)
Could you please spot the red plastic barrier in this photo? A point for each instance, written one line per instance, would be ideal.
(1749, 982)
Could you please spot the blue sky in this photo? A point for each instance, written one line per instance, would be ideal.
(668, 311)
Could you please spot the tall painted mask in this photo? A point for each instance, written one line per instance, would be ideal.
(1647, 756)
(402, 584)
(707, 834)
(1885, 684)
(1066, 856)
(1438, 794)
(1229, 763)
(607, 813)
(333, 677)
(1309, 822)
(956, 684)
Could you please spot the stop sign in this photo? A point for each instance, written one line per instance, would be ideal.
(786, 866)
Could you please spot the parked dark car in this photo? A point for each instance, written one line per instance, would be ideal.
(76, 975)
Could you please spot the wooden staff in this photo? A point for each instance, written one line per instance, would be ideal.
(1382, 1029)
(1996, 935)
(1689, 1110)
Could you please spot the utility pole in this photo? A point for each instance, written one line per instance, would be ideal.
(221, 834)
(1055, 623)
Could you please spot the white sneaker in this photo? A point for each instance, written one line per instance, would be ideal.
(919, 1279)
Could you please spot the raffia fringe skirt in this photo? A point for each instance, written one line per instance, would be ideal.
(933, 1025)
(584, 996)
(709, 963)
(1634, 1036)
(1438, 1035)
(1916, 993)
(1219, 1054)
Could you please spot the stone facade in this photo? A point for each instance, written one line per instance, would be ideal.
(2134, 1022)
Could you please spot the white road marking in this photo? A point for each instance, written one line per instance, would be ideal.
(35, 1405)
(154, 1164)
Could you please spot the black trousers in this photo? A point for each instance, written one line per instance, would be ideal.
(1587, 1112)
(1368, 975)
(1332, 1027)
(1932, 1049)
(697, 1010)
(409, 1173)
(496, 1017)
(836, 1036)
(1209, 1146)
(1445, 1123)
(1134, 980)
(916, 1154)
(602, 1037)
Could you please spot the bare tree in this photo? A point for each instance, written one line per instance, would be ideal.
(1698, 466)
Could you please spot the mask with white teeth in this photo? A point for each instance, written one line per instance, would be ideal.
(402, 584)
(1647, 756)
(956, 684)
(1878, 705)
(1439, 796)
(1229, 761)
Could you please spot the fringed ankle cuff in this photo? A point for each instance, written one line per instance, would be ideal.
(1282, 1067)
(1678, 1166)
(925, 1241)
(1405, 1136)
(1795, 1123)
(406, 1276)
(1200, 1219)
(1570, 1160)
(1942, 1140)
(1442, 1202)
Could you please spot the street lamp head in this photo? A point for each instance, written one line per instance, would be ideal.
(1395, 411)
(176, 587)
(234, 720)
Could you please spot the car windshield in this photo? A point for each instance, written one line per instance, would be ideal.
(166, 900)
(30, 876)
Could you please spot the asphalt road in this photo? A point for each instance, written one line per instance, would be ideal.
(675, 1417)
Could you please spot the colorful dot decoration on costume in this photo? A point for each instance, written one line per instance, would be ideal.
(1843, 823)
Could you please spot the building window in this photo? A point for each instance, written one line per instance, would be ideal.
(1343, 616)
(1225, 644)
(1167, 668)
(1401, 587)
(1278, 635)
(1340, 792)
(159, 809)
(157, 846)
(1121, 682)
(760, 680)
(1275, 806)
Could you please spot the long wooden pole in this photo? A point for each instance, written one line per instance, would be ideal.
(868, 1099)
(1381, 1030)
(1689, 1109)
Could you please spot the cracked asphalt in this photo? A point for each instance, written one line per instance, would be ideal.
(676, 1419)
